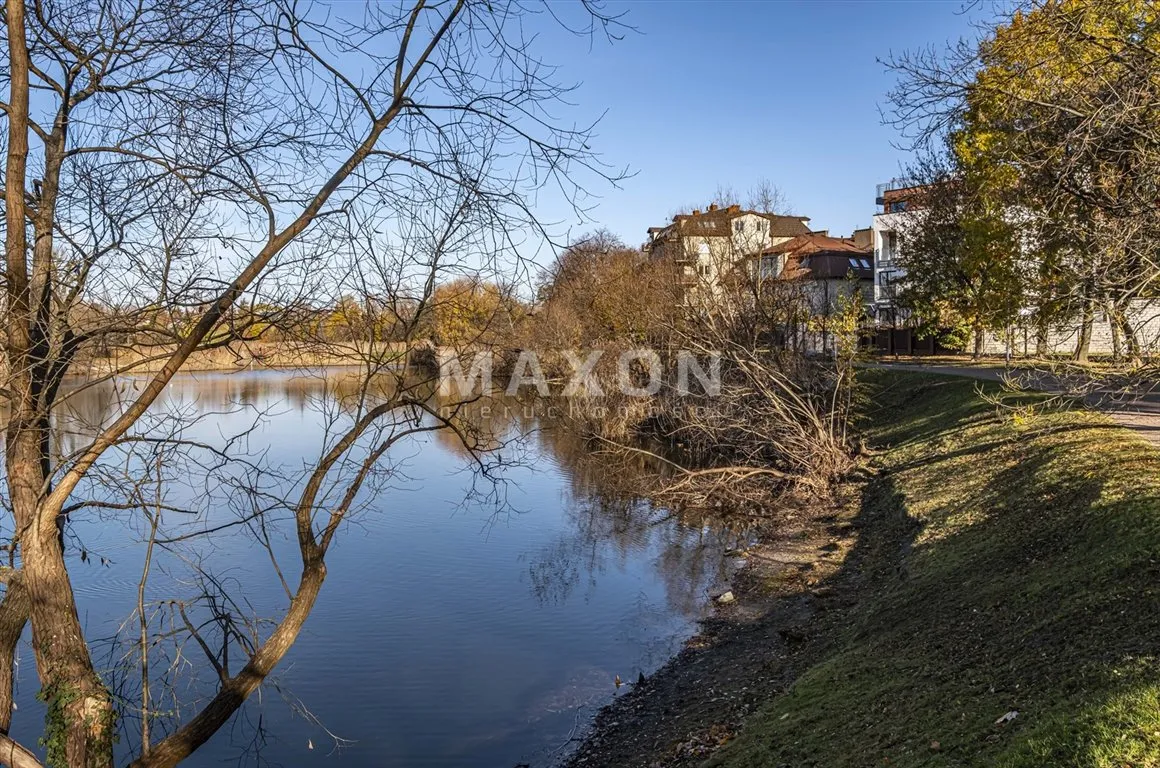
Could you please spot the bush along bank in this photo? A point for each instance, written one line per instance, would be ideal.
(997, 604)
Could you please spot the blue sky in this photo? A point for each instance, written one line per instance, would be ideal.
(731, 92)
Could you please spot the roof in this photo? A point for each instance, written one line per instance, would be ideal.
(715, 222)
(805, 244)
(821, 257)
(827, 265)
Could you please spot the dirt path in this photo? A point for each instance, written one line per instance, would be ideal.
(1139, 413)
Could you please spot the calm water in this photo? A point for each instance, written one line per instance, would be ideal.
(462, 623)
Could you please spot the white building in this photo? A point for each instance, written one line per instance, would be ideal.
(712, 243)
(892, 217)
(896, 213)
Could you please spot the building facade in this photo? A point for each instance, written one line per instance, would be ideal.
(710, 245)
(894, 213)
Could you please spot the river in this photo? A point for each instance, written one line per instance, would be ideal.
(463, 622)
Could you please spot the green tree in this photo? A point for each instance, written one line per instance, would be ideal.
(962, 256)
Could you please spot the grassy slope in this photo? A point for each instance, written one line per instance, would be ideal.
(1004, 563)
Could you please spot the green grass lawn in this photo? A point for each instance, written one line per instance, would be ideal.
(1007, 561)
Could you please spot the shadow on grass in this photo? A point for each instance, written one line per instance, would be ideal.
(999, 569)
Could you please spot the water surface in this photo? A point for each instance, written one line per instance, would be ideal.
(462, 623)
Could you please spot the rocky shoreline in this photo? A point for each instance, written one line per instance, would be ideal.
(751, 650)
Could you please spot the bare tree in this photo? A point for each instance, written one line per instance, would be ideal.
(767, 197)
(178, 176)
(764, 197)
(777, 424)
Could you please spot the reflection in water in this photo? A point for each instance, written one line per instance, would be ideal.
(466, 619)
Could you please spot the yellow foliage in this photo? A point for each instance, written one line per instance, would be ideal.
(468, 312)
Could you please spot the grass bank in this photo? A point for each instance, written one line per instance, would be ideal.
(1005, 562)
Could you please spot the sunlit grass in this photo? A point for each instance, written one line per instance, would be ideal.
(1009, 561)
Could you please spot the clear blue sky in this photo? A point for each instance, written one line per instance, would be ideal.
(708, 93)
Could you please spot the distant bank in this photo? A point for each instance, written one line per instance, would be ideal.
(249, 356)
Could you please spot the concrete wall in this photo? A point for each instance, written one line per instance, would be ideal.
(1144, 316)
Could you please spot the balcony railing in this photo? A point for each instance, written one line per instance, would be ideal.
(888, 186)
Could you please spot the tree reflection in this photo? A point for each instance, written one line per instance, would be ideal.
(613, 521)
(611, 518)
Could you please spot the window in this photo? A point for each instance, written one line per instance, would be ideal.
(865, 263)
(769, 267)
(704, 270)
(898, 206)
(853, 262)
(739, 226)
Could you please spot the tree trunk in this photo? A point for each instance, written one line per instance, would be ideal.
(80, 722)
(1122, 326)
(179, 745)
(1084, 342)
(979, 342)
(14, 611)
(1113, 315)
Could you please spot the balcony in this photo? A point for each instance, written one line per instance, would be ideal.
(890, 186)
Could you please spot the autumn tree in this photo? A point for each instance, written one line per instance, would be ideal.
(600, 292)
(469, 312)
(1063, 95)
(778, 420)
(961, 251)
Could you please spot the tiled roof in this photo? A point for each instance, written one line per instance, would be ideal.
(820, 257)
(805, 244)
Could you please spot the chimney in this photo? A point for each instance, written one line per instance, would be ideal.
(735, 209)
(696, 211)
(712, 207)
